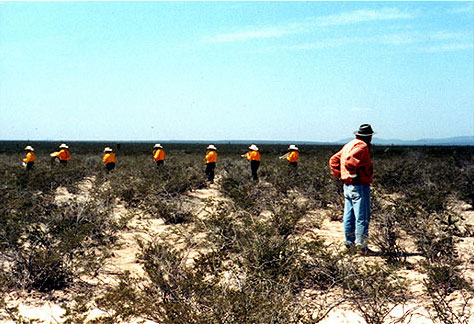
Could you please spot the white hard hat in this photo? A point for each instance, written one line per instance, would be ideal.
(63, 146)
(29, 148)
(107, 149)
(211, 147)
(293, 147)
(253, 147)
(157, 146)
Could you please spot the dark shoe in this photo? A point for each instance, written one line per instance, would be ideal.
(366, 252)
(350, 249)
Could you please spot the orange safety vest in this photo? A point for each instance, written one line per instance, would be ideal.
(109, 158)
(253, 156)
(293, 156)
(159, 155)
(30, 157)
(211, 156)
(63, 155)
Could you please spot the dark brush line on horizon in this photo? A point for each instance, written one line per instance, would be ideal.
(456, 141)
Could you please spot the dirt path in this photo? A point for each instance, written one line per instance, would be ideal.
(333, 235)
(146, 228)
(47, 307)
(141, 226)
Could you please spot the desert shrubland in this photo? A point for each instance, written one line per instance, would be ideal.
(259, 254)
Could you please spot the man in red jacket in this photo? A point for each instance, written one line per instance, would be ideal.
(352, 165)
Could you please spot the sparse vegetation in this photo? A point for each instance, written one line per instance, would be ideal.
(258, 257)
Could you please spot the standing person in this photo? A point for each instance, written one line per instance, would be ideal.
(62, 156)
(292, 156)
(159, 155)
(30, 158)
(109, 160)
(353, 166)
(254, 157)
(211, 159)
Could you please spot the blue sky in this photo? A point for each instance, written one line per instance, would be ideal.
(305, 71)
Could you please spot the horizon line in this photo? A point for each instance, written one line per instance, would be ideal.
(232, 140)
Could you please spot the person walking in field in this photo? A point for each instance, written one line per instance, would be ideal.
(30, 158)
(109, 160)
(254, 157)
(353, 166)
(211, 159)
(62, 156)
(159, 155)
(292, 156)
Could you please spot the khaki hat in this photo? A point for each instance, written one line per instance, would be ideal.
(158, 146)
(63, 146)
(293, 147)
(107, 149)
(29, 148)
(211, 147)
(253, 147)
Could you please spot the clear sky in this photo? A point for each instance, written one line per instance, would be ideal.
(305, 71)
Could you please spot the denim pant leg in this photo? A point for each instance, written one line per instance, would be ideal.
(349, 217)
(362, 215)
(357, 214)
(366, 202)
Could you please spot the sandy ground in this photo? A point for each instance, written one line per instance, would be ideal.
(47, 307)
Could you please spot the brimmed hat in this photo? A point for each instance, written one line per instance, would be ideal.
(292, 147)
(253, 147)
(157, 146)
(29, 148)
(211, 147)
(364, 130)
(63, 146)
(107, 149)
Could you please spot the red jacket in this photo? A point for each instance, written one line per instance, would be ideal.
(352, 163)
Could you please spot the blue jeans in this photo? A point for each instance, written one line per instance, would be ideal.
(356, 214)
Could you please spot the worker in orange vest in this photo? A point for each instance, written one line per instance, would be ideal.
(30, 158)
(211, 159)
(109, 159)
(62, 156)
(159, 155)
(292, 156)
(254, 157)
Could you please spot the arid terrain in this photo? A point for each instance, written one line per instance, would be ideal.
(164, 246)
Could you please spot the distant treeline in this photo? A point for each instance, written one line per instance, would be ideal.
(129, 148)
(133, 148)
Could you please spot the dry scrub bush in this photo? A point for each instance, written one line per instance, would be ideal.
(447, 307)
(386, 233)
(238, 186)
(46, 179)
(310, 183)
(423, 212)
(178, 294)
(156, 191)
(312, 180)
(261, 253)
(255, 269)
(46, 245)
(375, 291)
(267, 270)
(421, 209)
